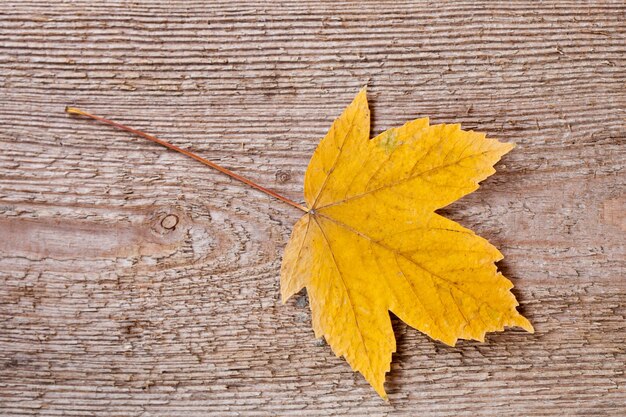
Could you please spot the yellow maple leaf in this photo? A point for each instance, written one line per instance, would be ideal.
(371, 241)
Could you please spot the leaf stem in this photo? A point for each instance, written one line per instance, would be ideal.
(78, 112)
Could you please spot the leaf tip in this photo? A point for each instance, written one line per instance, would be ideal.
(362, 93)
(285, 293)
(380, 390)
(506, 147)
(520, 321)
(526, 325)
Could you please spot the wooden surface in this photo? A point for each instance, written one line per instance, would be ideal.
(136, 282)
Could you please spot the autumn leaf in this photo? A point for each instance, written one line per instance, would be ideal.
(371, 241)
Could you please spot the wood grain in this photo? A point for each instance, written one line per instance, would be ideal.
(136, 282)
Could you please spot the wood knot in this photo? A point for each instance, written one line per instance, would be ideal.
(282, 176)
(169, 222)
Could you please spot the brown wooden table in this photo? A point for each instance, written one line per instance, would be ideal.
(136, 282)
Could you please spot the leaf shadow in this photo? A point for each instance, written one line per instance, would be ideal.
(393, 378)
(506, 270)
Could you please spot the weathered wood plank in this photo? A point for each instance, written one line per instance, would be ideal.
(137, 282)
